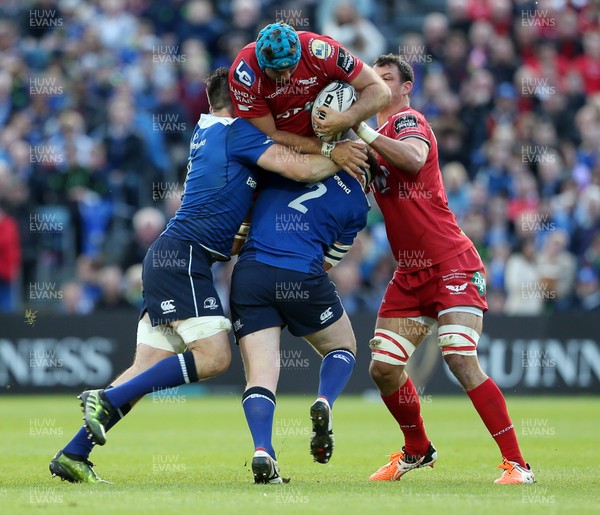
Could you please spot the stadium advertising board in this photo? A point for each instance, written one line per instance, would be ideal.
(554, 355)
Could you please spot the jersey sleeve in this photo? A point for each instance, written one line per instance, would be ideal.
(343, 64)
(409, 125)
(355, 224)
(243, 89)
(246, 143)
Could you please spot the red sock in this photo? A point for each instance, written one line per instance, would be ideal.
(405, 407)
(491, 406)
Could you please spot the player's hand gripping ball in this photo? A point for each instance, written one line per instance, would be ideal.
(338, 95)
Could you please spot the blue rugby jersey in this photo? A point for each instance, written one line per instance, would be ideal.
(220, 183)
(293, 224)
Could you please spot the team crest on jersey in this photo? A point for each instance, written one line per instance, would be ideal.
(457, 289)
(405, 121)
(210, 303)
(320, 49)
(345, 60)
(244, 74)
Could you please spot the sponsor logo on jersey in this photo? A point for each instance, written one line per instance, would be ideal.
(326, 315)
(196, 146)
(210, 303)
(243, 96)
(244, 74)
(290, 112)
(345, 60)
(320, 49)
(242, 107)
(341, 184)
(168, 306)
(457, 289)
(308, 82)
(405, 121)
(454, 274)
(251, 182)
(478, 280)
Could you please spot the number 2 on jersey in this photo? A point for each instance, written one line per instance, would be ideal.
(297, 202)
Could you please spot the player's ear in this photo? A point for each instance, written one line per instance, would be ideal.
(407, 87)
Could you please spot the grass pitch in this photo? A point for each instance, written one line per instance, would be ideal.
(192, 454)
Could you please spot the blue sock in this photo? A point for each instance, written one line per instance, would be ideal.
(259, 407)
(336, 369)
(171, 371)
(81, 445)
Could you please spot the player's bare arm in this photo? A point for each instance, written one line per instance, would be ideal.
(373, 95)
(298, 167)
(348, 155)
(408, 154)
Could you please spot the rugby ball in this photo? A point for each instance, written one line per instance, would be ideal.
(338, 95)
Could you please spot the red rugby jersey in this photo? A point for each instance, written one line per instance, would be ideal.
(420, 227)
(254, 94)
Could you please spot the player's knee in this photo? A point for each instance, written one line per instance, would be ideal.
(384, 374)
(220, 362)
(211, 359)
(466, 369)
(457, 364)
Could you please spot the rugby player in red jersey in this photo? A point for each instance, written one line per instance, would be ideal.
(275, 80)
(440, 277)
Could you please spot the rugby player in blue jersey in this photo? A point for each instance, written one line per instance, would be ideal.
(298, 231)
(182, 332)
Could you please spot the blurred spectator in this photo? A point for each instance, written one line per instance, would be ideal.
(73, 300)
(522, 282)
(148, 223)
(112, 298)
(455, 60)
(201, 21)
(588, 289)
(435, 30)
(123, 150)
(503, 61)
(458, 15)
(326, 8)
(458, 188)
(356, 33)
(114, 24)
(557, 268)
(588, 65)
(191, 86)
(477, 95)
(133, 286)
(481, 34)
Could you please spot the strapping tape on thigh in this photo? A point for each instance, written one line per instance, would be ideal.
(390, 347)
(458, 339)
(159, 337)
(198, 328)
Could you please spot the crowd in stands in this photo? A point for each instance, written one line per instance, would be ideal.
(98, 99)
